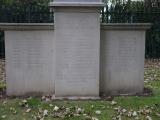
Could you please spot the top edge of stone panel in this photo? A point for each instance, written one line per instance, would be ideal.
(78, 0)
(126, 26)
(26, 26)
(76, 4)
(90, 1)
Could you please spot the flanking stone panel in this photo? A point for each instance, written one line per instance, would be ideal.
(122, 58)
(30, 61)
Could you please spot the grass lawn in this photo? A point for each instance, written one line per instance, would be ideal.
(120, 108)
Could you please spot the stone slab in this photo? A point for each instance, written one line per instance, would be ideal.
(30, 62)
(27, 26)
(77, 3)
(122, 61)
(77, 53)
(126, 26)
(77, 98)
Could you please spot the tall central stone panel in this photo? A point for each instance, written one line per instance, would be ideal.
(77, 30)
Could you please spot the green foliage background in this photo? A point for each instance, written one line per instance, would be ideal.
(2, 47)
(25, 2)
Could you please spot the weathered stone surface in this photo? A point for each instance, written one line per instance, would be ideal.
(77, 52)
(122, 60)
(26, 26)
(29, 62)
(65, 60)
(76, 3)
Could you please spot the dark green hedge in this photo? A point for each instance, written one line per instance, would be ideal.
(2, 47)
(153, 42)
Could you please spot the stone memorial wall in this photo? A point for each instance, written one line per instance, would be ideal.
(76, 57)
